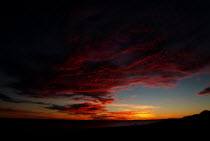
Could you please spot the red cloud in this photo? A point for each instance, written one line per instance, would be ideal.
(124, 56)
(206, 91)
(105, 51)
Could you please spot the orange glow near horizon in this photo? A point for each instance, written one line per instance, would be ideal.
(108, 115)
(97, 114)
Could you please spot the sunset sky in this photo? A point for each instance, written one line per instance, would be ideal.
(133, 60)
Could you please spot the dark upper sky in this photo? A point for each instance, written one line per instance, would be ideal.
(91, 54)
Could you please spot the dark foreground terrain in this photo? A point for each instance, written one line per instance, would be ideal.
(188, 126)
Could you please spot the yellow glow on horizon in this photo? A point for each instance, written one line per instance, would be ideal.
(146, 116)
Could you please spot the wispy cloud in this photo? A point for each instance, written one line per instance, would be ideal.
(14, 100)
(134, 96)
(134, 106)
(206, 91)
(99, 112)
(82, 108)
(176, 98)
(14, 110)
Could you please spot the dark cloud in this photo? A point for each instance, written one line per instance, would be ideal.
(15, 111)
(13, 100)
(206, 91)
(98, 112)
(85, 53)
(82, 108)
(94, 98)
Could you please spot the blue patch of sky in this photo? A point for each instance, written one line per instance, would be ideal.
(185, 89)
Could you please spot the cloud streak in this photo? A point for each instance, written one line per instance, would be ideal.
(82, 108)
(13, 100)
(135, 106)
(98, 112)
(206, 91)
(15, 111)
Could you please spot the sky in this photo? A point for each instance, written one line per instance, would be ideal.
(133, 60)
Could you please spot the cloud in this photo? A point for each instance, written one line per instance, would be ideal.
(96, 99)
(129, 52)
(135, 106)
(176, 98)
(107, 48)
(98, 112)
(82, 108)
(206, 91)
(15, 111)
(133, 96)
(20, 112)
(13, 100)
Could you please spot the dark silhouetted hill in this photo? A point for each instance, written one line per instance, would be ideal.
(192, 122)
(204, 115)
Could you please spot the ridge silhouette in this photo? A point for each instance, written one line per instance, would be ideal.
(204, 115)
